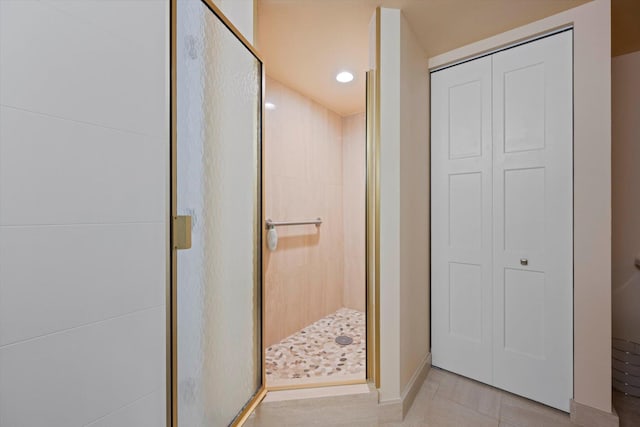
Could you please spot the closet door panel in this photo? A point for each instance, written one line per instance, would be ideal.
(461, 219)
(532, 206)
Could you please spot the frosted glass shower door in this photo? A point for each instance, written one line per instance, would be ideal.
(217, 183)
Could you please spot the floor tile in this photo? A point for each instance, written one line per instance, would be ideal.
(428, 389)
(520, 412)
(472, 394)
(446, 399)
(437, 375)
(405, 423)
(442, 412)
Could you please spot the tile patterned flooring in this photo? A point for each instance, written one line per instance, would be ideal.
(449, 400)
(446, 399)
(312, 355)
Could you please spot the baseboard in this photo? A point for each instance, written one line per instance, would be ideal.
(413, 387)
(395, 410)
(390, 411)
(588, 416)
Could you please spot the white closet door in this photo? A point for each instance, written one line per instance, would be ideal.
(532, 211)
(461, 219)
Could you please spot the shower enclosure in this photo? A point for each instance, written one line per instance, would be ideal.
(315, 276)
(216, 208)
(221, 354)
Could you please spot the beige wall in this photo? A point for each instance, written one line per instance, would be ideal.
(389, 188)
(303, 179)
(592, 187)
(404, 206)
(414, 205)
(304, 163)
(626, 195)
(353, 175)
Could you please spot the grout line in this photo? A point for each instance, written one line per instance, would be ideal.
(94, 323)
(82, 224)
(144, 396)
(500, 396)
(78, 18)
(83, 122)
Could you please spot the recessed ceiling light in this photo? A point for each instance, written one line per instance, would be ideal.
(269, 105)
(344, 77)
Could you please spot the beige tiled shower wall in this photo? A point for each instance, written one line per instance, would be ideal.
(303, 170)
(353, 175)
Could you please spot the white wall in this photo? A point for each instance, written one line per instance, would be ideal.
(242, 14)
(592, 186)
(404, 206)
(626, 195)
(83, 212)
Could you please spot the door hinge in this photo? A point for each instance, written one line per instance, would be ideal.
(182, 232)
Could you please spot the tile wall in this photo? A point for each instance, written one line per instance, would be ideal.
(83, 208)
(309, 275)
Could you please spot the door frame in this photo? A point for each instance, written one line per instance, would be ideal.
(172, 282)
(480, 54)
(372, 221)
(372, 212)
(372, 235)
(372, 248)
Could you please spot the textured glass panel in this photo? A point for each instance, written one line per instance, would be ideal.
(218, 100)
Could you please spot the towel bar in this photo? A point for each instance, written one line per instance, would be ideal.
(269, 224)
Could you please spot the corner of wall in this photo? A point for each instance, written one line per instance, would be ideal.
(389, 99)
(404, 206)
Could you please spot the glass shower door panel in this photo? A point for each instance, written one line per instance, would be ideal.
(217, 167)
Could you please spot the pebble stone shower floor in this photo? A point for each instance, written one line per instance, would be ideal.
(313, 354)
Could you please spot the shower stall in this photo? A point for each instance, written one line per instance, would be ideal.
(314, 276)
(268, 266)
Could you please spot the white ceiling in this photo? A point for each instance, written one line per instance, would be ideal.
(305, 43)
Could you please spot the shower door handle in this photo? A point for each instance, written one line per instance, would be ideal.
(182, 232)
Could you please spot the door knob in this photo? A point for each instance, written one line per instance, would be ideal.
(524, 261)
